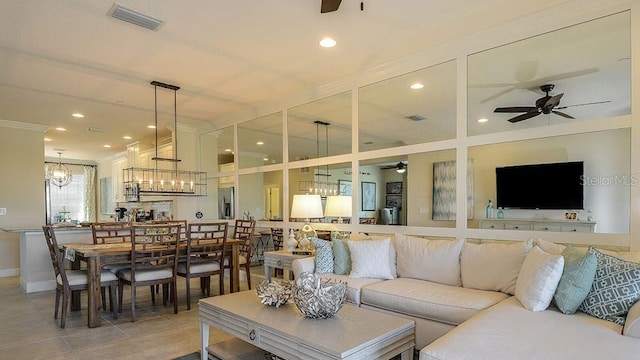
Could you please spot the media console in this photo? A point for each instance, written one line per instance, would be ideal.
(539, 225)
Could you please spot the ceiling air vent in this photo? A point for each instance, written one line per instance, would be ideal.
(120, 12)
(416, 117)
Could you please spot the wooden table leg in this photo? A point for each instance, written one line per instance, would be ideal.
(93, 272)
(76, 302)
(204, 340)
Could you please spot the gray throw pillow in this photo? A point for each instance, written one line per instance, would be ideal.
(324, 256)
(341, 257)
(615, 288)
(577, 278)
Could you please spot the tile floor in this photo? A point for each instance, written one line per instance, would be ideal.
(29, 331)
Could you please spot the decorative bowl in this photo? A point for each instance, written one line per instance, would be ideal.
(318, 298)
(274, 292)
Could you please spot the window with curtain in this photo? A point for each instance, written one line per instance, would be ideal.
(75, 202)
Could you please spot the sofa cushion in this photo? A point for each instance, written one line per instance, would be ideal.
(341, 257)
(548, 246)
(429, 300)
(324, 256)
(492, 266)
(577, 277)
(354, 286)
(431, 260)
(615, 288)
(509, 331)
(538, 279)
(370, 259)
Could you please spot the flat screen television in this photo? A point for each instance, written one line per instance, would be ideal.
(541, 186)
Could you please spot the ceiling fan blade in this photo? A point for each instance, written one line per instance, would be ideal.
(498, 94)
(553, 101)
(329, 6)
(526, 116)
(583, 104)
(515, 109)
(562, 114)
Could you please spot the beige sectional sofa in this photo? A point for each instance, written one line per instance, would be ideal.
(462, 298)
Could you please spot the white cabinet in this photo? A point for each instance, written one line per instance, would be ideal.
(539, 225)
(117, 178)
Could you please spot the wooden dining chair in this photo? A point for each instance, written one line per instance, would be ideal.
(244, 230)
(111, 233)
(205, 254)
(154, 254)
(73, 280)
(277, 238)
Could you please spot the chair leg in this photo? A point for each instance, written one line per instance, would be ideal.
(65, 305)
(248, 275)
(174, 294)
(221, 276)
(133, 302)
(202, 285)
(104, 298)
(120, 295)
(153, 295)
(189, 292)
(55, 314)
(112, 299)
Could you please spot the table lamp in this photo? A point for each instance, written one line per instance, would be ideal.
(306, 207)
(338, 206)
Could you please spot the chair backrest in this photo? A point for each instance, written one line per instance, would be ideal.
(277, 238)
(55, 254)
(244, 230)
(154, 246)
(184, 228)
(111, 232)
(206, 242)
(370, 220)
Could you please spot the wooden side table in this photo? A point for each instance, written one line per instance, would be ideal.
(281, 259)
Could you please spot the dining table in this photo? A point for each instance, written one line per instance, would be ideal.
(98, 255)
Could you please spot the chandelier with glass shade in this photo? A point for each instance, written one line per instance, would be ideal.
(59, 174)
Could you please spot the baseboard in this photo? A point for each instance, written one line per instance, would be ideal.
(37, 286)
(9, 272)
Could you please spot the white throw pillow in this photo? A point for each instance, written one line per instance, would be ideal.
(539, 279)
(548, 246)
(492, 266)
(370, 259)
(431, 260)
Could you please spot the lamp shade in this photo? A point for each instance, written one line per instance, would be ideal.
(306, 207)
(338, 206)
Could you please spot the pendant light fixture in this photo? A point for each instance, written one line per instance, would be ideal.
(59, 174)
(320, 185)
(160, 180)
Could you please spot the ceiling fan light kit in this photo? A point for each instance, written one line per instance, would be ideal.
(161, 181)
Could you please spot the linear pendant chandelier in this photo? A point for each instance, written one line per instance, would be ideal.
(162, 180)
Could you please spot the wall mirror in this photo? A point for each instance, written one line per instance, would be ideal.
(413, 108)
(429, 177)
(260, 196)
(225, 145)
(325, 180)
(320, 128)
(589, 64)
(605, 181)
(260, 141)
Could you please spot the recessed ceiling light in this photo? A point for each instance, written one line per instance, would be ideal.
(77, 115)
(127, 137)
(260, 143)
(483, 120)
(417, 86)
(106, 145)
(266, 159)
(47, 139)
(151, 126)
(61, 129)
(327, 42)
(227, 150)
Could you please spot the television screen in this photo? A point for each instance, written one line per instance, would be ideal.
(541, 186)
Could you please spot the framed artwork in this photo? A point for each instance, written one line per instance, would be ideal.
(394, 187)
(368, 196)
(571, 216)
(444, 190)
(344, 186)
(394, 201)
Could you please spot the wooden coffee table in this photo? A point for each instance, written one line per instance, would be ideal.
(353, 333)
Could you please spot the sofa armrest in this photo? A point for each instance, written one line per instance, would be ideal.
(632, 324)
(301, 265)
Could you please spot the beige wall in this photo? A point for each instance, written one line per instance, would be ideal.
(22, 190)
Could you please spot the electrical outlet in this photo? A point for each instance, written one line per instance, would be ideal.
(3, 211)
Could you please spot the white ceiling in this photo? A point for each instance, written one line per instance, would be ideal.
(61, 57)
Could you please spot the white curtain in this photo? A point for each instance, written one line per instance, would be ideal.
(89, 203)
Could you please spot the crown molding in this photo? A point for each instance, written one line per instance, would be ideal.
(23, 126)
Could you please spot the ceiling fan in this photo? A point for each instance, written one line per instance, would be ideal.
(329, 6)
(545, 105)
(400, 167)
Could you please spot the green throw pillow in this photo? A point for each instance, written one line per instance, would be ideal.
(341, 257)
(577, 277)
(615, 288)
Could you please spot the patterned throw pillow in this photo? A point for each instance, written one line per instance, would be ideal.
(615, 288)
(324, 256)
(576, 280)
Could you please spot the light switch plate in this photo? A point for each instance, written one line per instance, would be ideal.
(3, 211)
